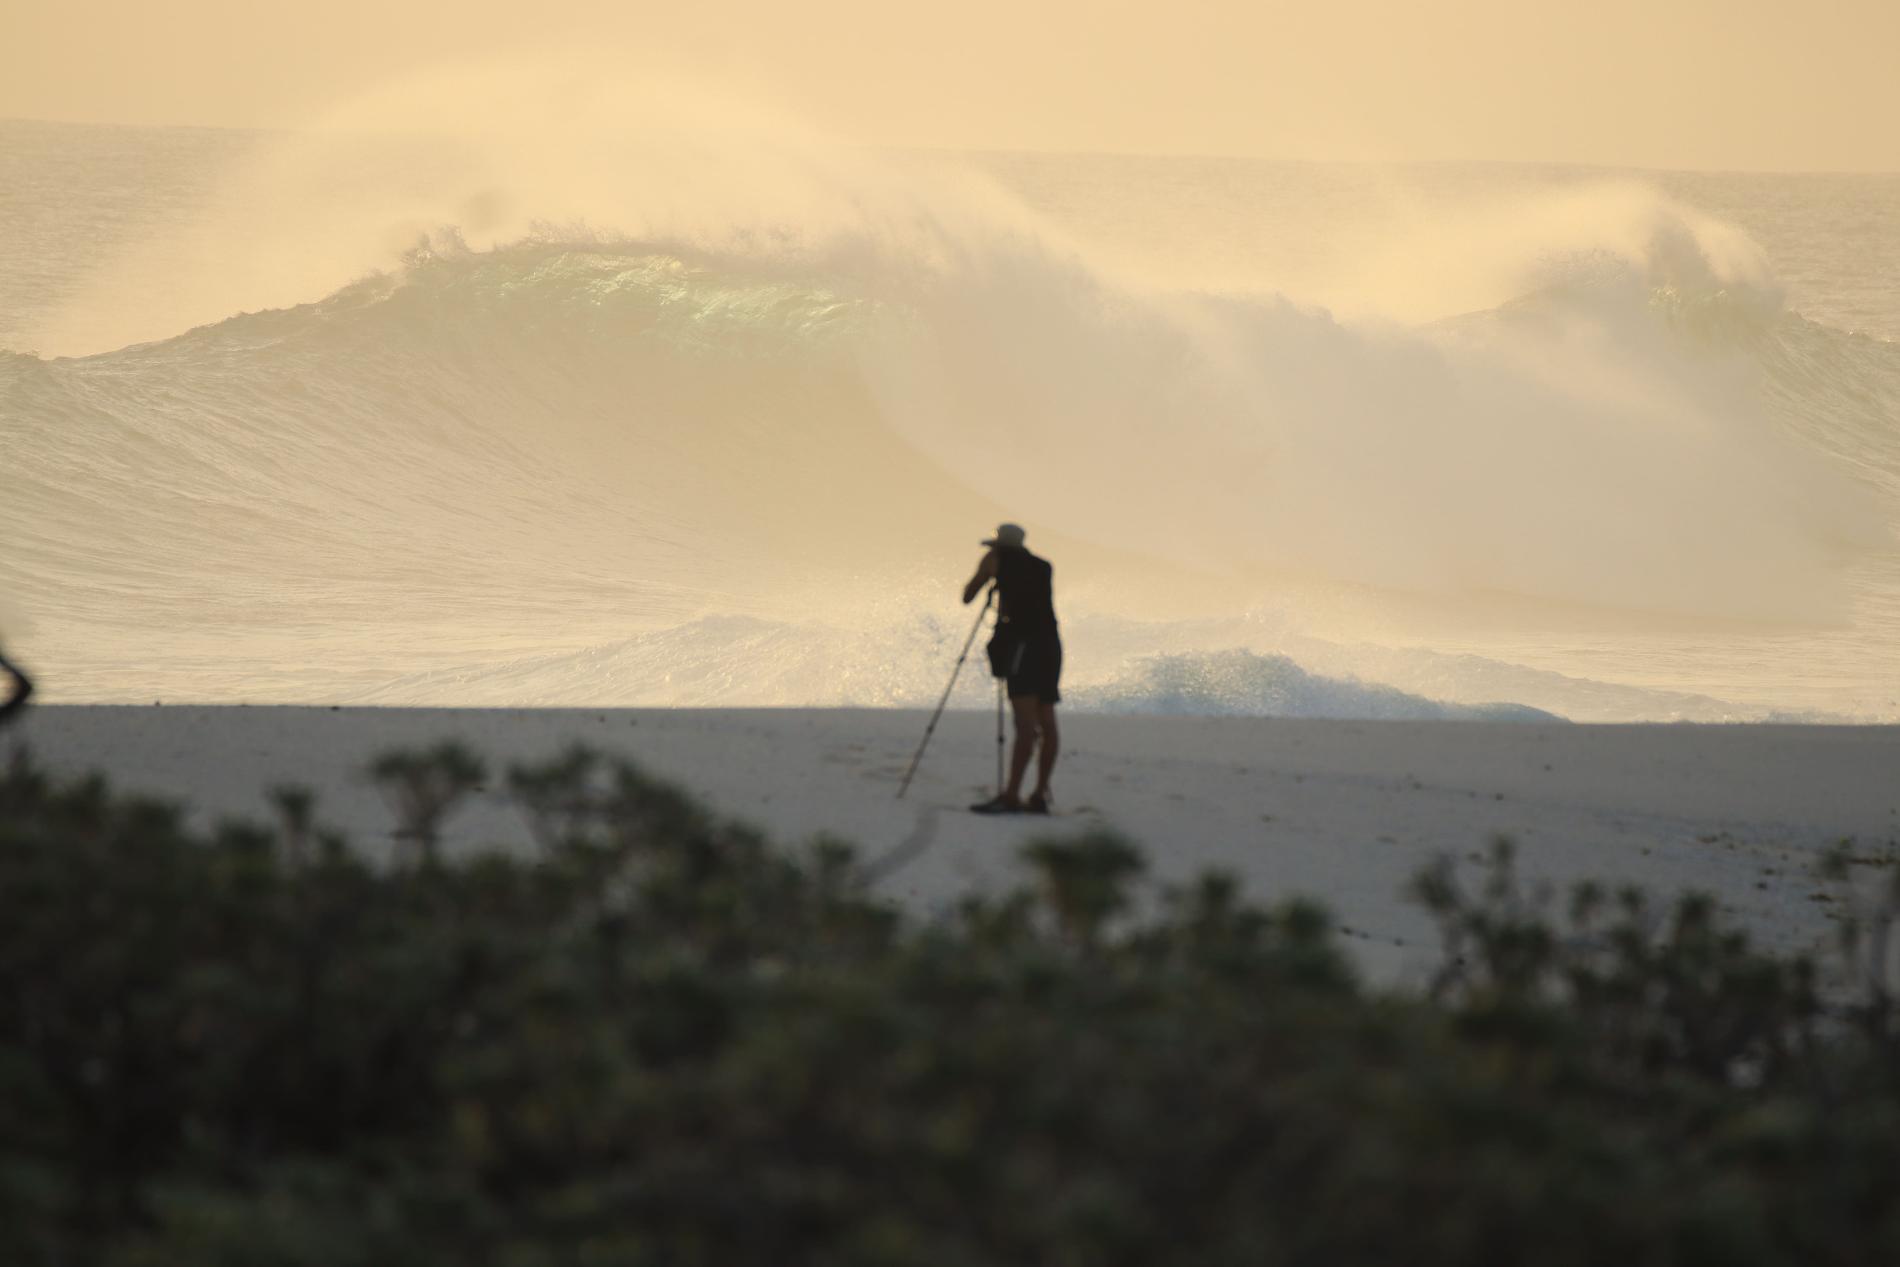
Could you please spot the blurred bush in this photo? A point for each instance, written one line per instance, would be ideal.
(658, 1039)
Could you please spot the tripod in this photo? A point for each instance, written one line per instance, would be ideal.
(929, 730)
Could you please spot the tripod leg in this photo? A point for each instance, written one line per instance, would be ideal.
(951, 686)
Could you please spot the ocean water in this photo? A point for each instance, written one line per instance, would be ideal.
(710, 415)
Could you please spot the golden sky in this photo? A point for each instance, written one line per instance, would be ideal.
(1738, 84)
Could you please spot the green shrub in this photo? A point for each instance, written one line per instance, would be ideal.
(658, 1039)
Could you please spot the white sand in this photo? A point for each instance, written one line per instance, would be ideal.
(1341, 811)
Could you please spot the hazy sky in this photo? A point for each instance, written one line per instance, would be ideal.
(1663, 83)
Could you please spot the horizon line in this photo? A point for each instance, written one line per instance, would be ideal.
(1050, 151)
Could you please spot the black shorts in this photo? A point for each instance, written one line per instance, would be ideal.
(1036, 667)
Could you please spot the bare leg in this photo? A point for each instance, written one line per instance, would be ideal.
(1024, 707)
(1051, 745)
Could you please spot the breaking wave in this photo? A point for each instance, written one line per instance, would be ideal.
(525, 402)
(534, 440)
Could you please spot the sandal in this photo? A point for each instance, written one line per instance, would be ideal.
(998, 804)
(1038, 804)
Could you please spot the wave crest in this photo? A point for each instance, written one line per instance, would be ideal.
(1573, 446)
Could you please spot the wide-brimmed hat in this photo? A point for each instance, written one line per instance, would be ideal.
(1006, 535)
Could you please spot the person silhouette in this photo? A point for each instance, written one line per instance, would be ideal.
(21, 687)
(1027, 652)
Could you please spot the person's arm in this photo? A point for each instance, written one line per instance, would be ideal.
(985, 573)
(22, 687)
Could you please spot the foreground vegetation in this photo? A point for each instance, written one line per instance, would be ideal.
(652, 1038)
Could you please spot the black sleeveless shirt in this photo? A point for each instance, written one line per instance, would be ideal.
(1026, 584)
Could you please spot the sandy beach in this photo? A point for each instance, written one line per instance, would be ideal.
(1341, 811)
